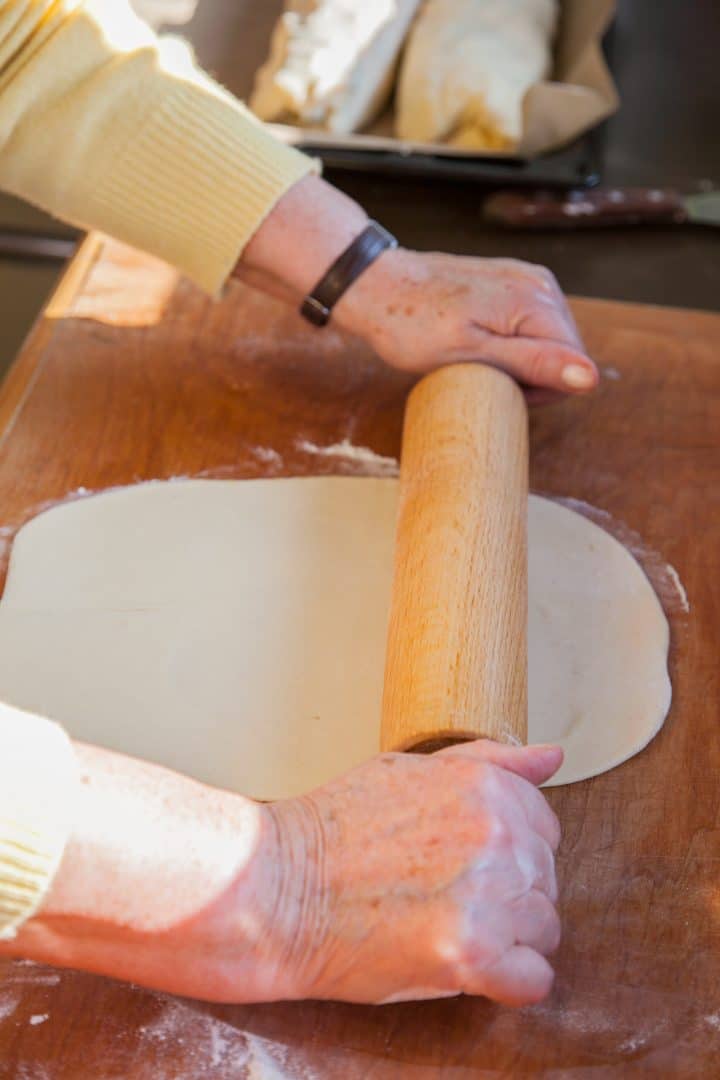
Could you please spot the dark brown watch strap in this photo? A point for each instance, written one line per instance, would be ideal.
(347, 268)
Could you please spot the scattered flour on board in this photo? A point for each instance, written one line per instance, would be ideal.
(39, 1018)
(713, 1020)
(632, 1043)
(8, 1005)
(213, 1049)
(367, 461)
(589, 1016)
(31, 1072)
(675, 577)
(611, 373)
(267, 455)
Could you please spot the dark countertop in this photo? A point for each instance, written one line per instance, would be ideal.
(665, 60)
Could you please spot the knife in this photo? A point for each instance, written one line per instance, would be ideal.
(29, 244)
(599, 207)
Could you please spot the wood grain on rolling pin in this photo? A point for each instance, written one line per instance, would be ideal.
(456, 663)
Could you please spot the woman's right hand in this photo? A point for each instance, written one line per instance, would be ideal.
(408, 877)
(414, 877)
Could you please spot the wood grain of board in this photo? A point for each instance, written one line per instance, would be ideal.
(134, 375)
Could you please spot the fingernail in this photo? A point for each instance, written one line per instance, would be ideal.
(578, 377)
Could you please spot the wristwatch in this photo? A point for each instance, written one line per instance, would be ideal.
(347, 268)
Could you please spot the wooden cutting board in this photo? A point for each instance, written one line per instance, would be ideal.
(132, 375)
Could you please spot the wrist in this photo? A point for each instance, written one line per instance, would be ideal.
(302, 914)
(310, 226)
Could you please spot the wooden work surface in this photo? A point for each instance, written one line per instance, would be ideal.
(132, 375)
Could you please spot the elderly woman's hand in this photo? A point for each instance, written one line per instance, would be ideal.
(420, 311)
(420, 876)
(410, 876)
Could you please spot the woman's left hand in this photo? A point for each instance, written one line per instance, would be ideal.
(421, 311)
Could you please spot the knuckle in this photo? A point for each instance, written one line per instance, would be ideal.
(543, 274)
(447, 956)
(542, 285)
(454, 959)
(517, 265)
(499, 836)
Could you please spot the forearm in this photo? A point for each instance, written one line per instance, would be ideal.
(151, 857)
(302, 236)
(299, 240)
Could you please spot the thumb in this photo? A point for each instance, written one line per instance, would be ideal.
(534, 763)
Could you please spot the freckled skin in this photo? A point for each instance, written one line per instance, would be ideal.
(473, 906)
(446, 309)
(411, 876)
(420, 310)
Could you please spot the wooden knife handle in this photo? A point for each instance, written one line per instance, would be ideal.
(456, 664)
(585, 209)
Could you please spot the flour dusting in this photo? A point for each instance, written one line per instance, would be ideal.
(600, 1019)
(632, 1043)
(680, 588)
(611, 373)
(213, 1049)
(39, 1018)
(8, 1005)
(267, 455)
(363, 458)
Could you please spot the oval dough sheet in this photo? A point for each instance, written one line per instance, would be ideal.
(235, 630)
(597, 644)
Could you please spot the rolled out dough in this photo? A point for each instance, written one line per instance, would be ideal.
(235, 630)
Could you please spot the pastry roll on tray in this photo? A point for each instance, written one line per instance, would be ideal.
(332, 62)
(467, 67)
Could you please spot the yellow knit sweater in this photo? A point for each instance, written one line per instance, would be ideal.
(108, 127)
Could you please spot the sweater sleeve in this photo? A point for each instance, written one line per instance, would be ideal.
(39, 774)
(109, 127)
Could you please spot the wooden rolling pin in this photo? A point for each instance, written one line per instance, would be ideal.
(456, 664)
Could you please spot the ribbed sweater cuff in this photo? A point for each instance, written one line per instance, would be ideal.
(38, 782)
(195, 183)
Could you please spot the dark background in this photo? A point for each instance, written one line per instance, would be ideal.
(666, 60)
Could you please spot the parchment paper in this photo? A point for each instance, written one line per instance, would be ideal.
(581, 94)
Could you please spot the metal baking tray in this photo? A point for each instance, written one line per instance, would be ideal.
(576, 165)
